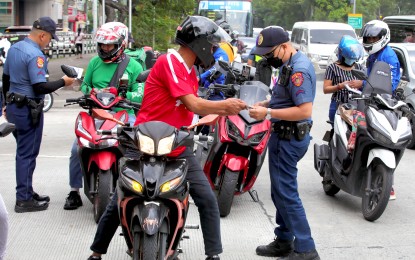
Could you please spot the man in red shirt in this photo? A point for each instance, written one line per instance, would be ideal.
(170, 96)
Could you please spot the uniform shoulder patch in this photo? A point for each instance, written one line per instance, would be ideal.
(297, 79)
(40, 62)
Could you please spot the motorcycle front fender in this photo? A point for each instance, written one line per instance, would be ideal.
(103, 159)
(386, 156)
(150, 215)
(235, 163)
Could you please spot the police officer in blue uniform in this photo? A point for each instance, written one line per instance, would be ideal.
(290, 111)
(24, 85)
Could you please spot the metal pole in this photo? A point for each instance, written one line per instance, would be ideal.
(129, 15)
(354, 6)
(95, 15)
(103, 12)
(154, 25)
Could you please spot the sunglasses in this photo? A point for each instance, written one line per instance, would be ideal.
(270, 55)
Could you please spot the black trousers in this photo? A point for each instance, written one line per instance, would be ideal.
(203, 197)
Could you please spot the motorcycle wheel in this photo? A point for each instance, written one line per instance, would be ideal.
(136, 244)
(150, 247)
(411, 144)
(328, 186)
(227, 192)
(48, 102)
(375, 201)
(103, 195)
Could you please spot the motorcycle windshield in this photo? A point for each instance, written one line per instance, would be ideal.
(252, 92)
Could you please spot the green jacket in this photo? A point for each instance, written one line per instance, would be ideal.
(99, 74)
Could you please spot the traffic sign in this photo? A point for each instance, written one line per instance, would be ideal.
(355, 20)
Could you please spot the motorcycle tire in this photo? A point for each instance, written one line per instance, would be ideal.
(48, 102)
(150, 247)
(411, 144)
(226, 192)
(374, 202)
(103, 195)
(136, 243)
(328, 186)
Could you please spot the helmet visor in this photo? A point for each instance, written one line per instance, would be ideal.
(372, 30)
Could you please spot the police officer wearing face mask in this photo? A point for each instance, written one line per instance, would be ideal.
(289, 110)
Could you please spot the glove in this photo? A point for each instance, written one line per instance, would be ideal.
(113, 90)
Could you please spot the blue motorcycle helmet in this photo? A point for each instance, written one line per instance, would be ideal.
(349, 50)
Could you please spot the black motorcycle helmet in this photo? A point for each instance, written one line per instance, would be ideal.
(199, 34)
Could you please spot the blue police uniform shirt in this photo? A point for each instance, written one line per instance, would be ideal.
(301, 87)
(27, 59)
(389, 56)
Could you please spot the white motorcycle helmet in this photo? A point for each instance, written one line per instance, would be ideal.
(378, 29)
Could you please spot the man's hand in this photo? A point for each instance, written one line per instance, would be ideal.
(68, 81)
(258, 112)
(234, 105)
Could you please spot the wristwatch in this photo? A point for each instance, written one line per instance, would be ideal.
(268, 116)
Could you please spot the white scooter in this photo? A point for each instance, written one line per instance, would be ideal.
(367, 171)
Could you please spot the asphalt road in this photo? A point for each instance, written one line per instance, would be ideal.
(337, 225)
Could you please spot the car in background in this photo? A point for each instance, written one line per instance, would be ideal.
(406, 56)
(249, 42)
(17, 33)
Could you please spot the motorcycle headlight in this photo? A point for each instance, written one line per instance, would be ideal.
(257, 138)
(233, 131)
(165, 145)
(145, 143)
(80, 128)
(131, 184)
(170, 185)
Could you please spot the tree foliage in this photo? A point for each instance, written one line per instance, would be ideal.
(286, 13)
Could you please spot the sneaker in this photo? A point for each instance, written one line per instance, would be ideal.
(213, 257)
(392, 195)
(311, 255)
(276, 248)
(73, 201)
(30, 206)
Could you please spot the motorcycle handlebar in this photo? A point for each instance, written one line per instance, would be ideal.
(203, 138)
(72, 100)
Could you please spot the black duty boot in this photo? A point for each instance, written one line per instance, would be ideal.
(213, 257)
(73, 201)
(277, 247)
(94, 258)
(311, 255)
(40, 197)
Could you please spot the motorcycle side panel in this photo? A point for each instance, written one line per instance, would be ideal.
(103, 159)
(386, 156)
(340, 129)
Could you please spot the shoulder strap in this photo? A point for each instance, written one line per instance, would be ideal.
(119, 71)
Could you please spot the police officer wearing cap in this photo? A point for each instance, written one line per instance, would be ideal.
(289, 110)
(24, 85)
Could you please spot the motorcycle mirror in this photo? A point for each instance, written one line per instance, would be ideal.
(69, 71)
(6, 128)
(206, 120)
(224, 65)
(142, 77)
(359, 74)
(104, 115)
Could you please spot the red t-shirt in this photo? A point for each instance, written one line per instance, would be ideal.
(169, 79)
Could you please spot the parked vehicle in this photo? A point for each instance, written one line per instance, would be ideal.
(99, 154)
(153, 194)
(399, 26)
(318, 40)
(249, 42)
(406, 56)
(368, 170)
(233, 161)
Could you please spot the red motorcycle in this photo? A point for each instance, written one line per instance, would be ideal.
(99, 154)
(233, 161)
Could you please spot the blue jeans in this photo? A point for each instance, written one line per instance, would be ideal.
(332, 110)
(75, 171)
(28, 139)
(203, 197)
(290, 215)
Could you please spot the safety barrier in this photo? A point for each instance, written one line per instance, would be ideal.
(64, 47)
